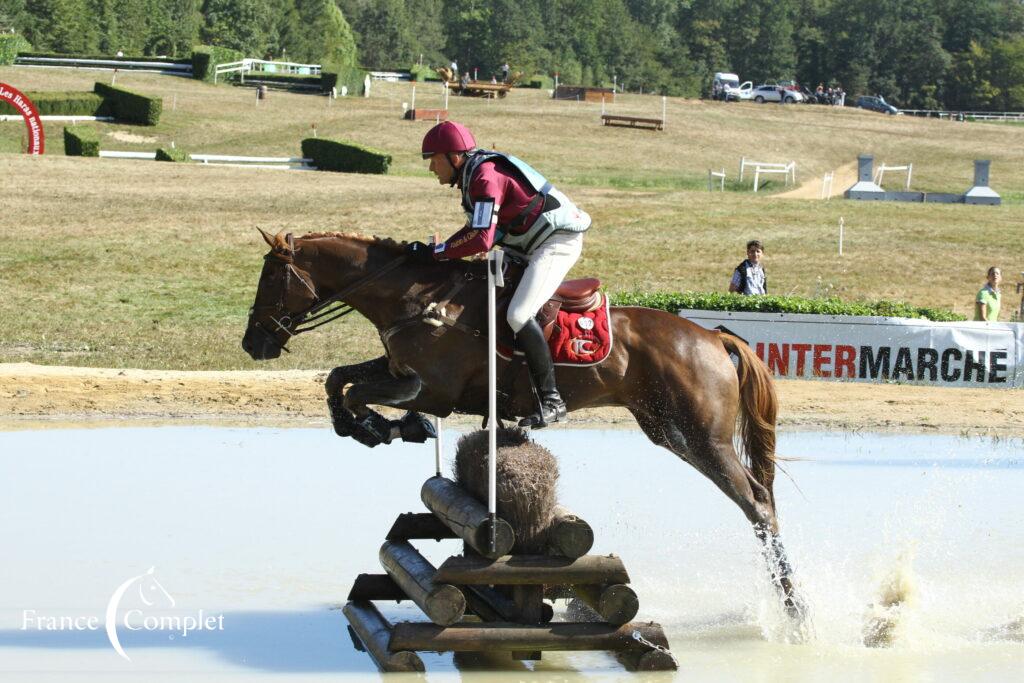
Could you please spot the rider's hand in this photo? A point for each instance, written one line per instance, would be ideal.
(419, 252)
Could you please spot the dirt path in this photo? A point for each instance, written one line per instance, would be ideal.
(33, 396)
(845, 176)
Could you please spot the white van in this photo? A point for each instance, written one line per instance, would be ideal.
(722, 83)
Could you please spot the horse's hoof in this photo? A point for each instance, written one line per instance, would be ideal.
(415, 428)
(372, 430)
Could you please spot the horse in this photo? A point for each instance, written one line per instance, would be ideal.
(676, 378)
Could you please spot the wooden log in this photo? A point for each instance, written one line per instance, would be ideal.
(442, 603)
(374, 631)
(517, 637)
(491, 605)
(376, 587)
(466, 516)
(530, 601)
(514, 570)
(651, 660)
(419, 525)
(570, 535)
(617, 604)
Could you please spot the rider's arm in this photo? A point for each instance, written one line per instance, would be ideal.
(487, 192)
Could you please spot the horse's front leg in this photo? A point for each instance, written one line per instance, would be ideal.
(352, 387)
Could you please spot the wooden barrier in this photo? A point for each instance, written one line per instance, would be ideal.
(435, 115)
(633, 122)
(506, 593)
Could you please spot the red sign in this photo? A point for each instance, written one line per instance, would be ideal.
(24, 105)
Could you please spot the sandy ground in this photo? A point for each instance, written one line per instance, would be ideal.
(844, 177)
(33, 396)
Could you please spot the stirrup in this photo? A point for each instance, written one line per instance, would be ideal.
(549, 412)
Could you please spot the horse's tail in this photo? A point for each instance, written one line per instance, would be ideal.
(759, 407)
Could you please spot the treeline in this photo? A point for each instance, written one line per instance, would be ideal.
(956, 54)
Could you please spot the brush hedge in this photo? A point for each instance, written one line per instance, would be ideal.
(352, 77)
(673, 302)
(205, 59)
(10, 45)
(81, 141)
(63, 104)
(346, 157)
(131, 107)
(171, 154)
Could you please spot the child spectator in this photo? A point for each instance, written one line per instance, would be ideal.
(749, 276)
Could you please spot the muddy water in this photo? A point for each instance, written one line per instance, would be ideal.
(914, 542)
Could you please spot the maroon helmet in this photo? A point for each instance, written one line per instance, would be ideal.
(446, 137)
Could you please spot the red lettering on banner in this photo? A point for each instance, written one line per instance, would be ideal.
(801, 358)
(36, 137)
(845, 359)
(778, 359)
(821, 360)
(759, 350)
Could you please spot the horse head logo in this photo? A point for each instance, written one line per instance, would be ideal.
(150, 592)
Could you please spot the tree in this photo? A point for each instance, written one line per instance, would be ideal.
(1007, 73)
(237, 24)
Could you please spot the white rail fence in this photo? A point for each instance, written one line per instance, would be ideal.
(880, 174)
(967, 115)
(247, 65)
(826, 185)
(276, 163)
(764, 167)
(716, 178)
(107, 64)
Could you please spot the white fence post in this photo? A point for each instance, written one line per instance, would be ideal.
(494, 280)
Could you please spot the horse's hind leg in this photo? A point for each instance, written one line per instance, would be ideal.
(710, 450)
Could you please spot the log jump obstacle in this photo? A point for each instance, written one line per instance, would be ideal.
(486, 600)
(434, 115)
(634, 121)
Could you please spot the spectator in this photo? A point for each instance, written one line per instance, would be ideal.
(986, 305)
(504, 72)
(464, 81)
(749, 276)
(455, 69)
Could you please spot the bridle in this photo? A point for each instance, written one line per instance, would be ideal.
(321, 311)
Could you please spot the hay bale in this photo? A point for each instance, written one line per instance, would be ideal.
(527, 480)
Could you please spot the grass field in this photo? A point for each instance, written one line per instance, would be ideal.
(152, 265)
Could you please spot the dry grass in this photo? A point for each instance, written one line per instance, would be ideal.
(139, 264)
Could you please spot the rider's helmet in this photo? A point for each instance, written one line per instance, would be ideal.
(447, 137)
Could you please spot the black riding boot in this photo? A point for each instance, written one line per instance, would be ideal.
(530, 340)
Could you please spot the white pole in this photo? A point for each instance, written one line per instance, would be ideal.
(841, 226)
(445, 87)
(438, 446)
(494, 280)
(663, 101)
(910, 169)
(413, 106)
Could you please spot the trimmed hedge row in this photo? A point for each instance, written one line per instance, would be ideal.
(274, 77)
(352, 77)
(109, 58)
(539, 81)
(131, 107)
(10, 45)
(422, 72)
(346, 157)
(81, 141)
(718, 301)
(171, 154)
(205, 59)
(63, 104)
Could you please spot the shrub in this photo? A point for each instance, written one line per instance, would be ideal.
(351, 77)
(205, 59)
(109, 58)
(63, 104)
(422, 72)
(131, 107)
(719, 301)
(284, 79)
(539, 81)
(10, 45)
(81, 141)
(347, 157)
(171, 154)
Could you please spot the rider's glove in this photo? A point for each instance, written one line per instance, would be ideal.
(418, 252)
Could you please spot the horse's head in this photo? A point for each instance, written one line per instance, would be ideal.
(284, 292)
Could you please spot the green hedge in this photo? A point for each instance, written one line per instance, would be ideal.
(205, 59)
(274, 77)
(131, 107)
(10, 45)
(81, 141)
(347, 157)
(422, 72)
(719, 301)
(171, 154)
(351, 77)
(133, 58)
(64, 104)
(539, 81)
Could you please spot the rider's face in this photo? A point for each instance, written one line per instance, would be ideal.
(442, 168)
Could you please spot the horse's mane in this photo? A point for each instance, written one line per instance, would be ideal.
(385, 242)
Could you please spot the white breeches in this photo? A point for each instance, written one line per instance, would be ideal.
(547, 267)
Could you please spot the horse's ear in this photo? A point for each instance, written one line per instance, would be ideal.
(267, 237)
(280, 242)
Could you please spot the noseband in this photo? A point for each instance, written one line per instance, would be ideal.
(320, 312)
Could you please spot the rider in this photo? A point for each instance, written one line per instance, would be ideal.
(508, 203)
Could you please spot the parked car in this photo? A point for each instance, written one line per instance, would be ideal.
(775, 93)
(876, 104)
(740, 93)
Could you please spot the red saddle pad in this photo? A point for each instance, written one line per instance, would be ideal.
(578, 339)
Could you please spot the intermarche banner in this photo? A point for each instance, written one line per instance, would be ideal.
(875, 349)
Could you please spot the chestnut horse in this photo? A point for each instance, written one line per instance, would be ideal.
(675, 377)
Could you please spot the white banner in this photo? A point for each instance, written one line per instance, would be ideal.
(870, 349)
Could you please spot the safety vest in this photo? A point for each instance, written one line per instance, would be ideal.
(558, 213)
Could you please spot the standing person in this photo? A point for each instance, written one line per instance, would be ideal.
(749, 277)
(504, 72)
(986, 304)
(454, 66)
(509, 204)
